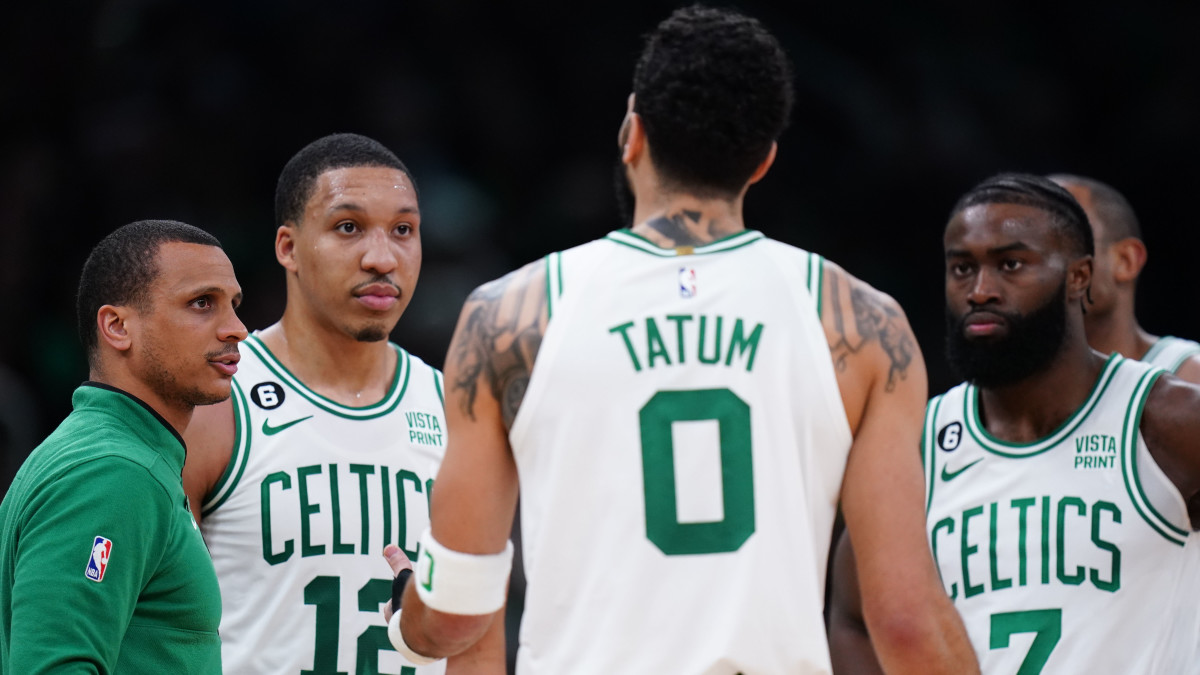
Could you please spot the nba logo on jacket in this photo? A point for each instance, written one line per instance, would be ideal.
(98, 562)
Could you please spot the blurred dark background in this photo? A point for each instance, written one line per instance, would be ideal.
(507, 115)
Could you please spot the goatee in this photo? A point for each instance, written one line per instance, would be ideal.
(370, 334)
(1032, 342)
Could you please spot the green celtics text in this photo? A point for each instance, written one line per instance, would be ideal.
(378, 492)
(1027, 541)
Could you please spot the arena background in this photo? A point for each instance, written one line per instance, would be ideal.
(507, 115)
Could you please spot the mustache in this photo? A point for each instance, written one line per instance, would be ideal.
(225, 351)
(377, 279)
(1009, 317)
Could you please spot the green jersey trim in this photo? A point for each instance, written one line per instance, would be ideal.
(928, 446)
(629, 238)
(1174, 367)
(1017, 450)
(816, 278)
(238, 457)
(1159, 345)
(1129, 465)
(437, 384)
(554, 282)
(389, 402)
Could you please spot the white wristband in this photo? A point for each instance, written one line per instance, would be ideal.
(461, 583)
(401, 646)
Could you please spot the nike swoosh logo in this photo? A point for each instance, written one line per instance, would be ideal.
(948, 476)
(271, 431)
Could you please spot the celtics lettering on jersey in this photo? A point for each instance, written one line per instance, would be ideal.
(677, 338)
(1043, 539)
(317, 496)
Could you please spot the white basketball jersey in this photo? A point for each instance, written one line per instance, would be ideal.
(297, 525)
(1169, 353)
(681, 448)
(1072, 554)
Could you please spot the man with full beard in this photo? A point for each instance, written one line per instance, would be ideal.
(1063, 485)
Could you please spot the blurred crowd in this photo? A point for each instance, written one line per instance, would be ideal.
(507, 115)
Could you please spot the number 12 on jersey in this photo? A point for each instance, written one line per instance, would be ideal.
(663, 527)
(325, 594)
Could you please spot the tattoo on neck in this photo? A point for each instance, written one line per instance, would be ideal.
(675, 228)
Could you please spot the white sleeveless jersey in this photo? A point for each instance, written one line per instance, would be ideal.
(1073, 554)
(681, 447)
(1169, 353)
(297, 525)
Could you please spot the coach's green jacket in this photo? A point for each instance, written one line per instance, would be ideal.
(102, 568)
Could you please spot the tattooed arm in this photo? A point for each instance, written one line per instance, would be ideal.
(913, 626)
(497, 339)
(472, 508)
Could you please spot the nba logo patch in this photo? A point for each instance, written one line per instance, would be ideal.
(687, 282)
(101, 548)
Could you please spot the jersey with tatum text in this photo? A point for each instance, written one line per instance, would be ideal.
(1169, 353)
(296, 526)
(681, 448)
(1071, 554)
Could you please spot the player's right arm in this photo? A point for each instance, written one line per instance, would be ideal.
(209, 439)
(488, 366)
(912, 623)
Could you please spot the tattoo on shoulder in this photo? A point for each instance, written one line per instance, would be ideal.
(499, 340)
(873, 319)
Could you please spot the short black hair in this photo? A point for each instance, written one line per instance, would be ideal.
(335, 151)
(1119, 219)
(713, 89)
(1038, 192)
(121, 268)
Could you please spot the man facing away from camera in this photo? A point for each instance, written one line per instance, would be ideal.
(683, 404)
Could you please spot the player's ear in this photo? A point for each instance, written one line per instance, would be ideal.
(285, 245)
(1129, 257)
(1079, 277)
(632, 136)
(765, 165)
(113, 325)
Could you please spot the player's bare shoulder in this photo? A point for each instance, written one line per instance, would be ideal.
(498, 336)
(1172, 432)
(865, 324)
(1189, 370)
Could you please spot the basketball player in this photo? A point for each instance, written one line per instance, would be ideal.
(684, 403)
(1111, 322)
(329, 447)
(1063, 485)
(101, 567)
